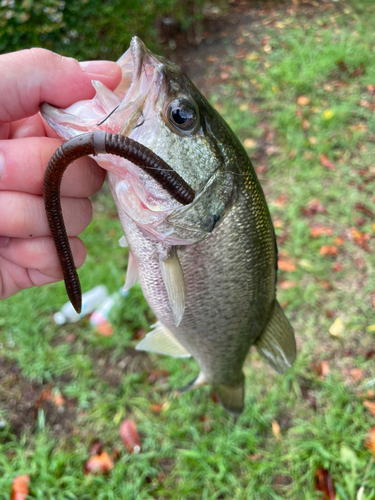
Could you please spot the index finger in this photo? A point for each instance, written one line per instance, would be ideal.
(31, 77)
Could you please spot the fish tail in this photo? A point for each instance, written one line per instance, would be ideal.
(232, 396)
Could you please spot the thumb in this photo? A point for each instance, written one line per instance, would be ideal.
(31, 77)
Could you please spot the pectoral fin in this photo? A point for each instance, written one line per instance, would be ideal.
(277, 344)
(162, 341)
(174, 281)
(122, 242)
(132, 274)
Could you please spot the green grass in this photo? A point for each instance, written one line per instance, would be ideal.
(192, 449)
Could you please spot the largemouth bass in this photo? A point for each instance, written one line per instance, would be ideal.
(207, 269)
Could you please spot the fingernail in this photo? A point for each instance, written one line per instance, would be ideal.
(2, 165)
(99, 67)
(4, 241)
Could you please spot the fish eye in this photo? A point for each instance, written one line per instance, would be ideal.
(183, 115)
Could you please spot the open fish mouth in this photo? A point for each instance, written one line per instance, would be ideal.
(121, 112)
(117, 111)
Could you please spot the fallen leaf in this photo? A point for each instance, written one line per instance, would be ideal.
(370, 405)
(328, 251)
(326, 163)
(324, 484)
(211, 59)
(249, 143)
(156, 408)
(337, 327)
(287, 285)
(303, 100)
(158, 374)
(313, 140)
(328, 87)
(280, 201)
(337, 267)
(360, 238)
(130, 437)
(338, 241)
(20, 487)
(99, 464)
(314, 207)
(286, 265)
(362, 208)
(276, 430)
(321, 369)
(370, 441)
(315, 232)
(325, 284)
(105, 329)
(328, 114)
(356, 374)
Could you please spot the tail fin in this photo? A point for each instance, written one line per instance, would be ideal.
(232, 396)
(277, 344)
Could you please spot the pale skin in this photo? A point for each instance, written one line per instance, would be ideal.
(29, 78)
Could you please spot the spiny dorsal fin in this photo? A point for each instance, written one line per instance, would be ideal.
(162, 341)
(277, 344)
(174, 281)
(132, 274)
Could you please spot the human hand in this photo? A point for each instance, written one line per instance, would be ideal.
(29, 78)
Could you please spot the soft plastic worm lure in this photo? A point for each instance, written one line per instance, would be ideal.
(94, 143)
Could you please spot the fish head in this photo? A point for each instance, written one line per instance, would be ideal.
(158, 106)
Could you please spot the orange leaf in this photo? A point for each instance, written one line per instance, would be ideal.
(356, 374)
(286, 265)
(328, 251)
(303, 100)
(338, 241)
(324, 483)
(320, 231)
(130, 436)
(104, 329)
(156, 408)
(370, 441)
(370, 405)
(20, 487)
(326, 163)
(287, 285)
(99, 464)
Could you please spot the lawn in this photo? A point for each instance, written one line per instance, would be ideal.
(297, 85)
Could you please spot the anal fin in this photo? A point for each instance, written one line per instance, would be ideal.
(277, 344)
(162, 341)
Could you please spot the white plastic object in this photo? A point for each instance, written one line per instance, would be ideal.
(90, 301)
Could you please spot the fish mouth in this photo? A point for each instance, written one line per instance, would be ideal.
(118, 111)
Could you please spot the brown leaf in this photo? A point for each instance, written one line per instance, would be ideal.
(338, 241)
(320, 231)
(328, 251)
(313, 207)
(286, 265)
(365, 210)
(370, 441)
(130, 437)
(356, 374)
(371, 89)
(98, 464)
(370, 405)
(326, 163)
(360, 238)
(20, 487)
(324, 483)
(321, 369)
(280, 201)
(158, 374)
(303, 100)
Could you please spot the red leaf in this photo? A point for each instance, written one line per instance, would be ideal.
(362, 208)
(324, 483)
(314, 207)
(20, 487)
(337, 267)
(130, 437)
(326, 163)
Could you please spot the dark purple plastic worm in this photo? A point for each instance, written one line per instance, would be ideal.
(93, 143)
